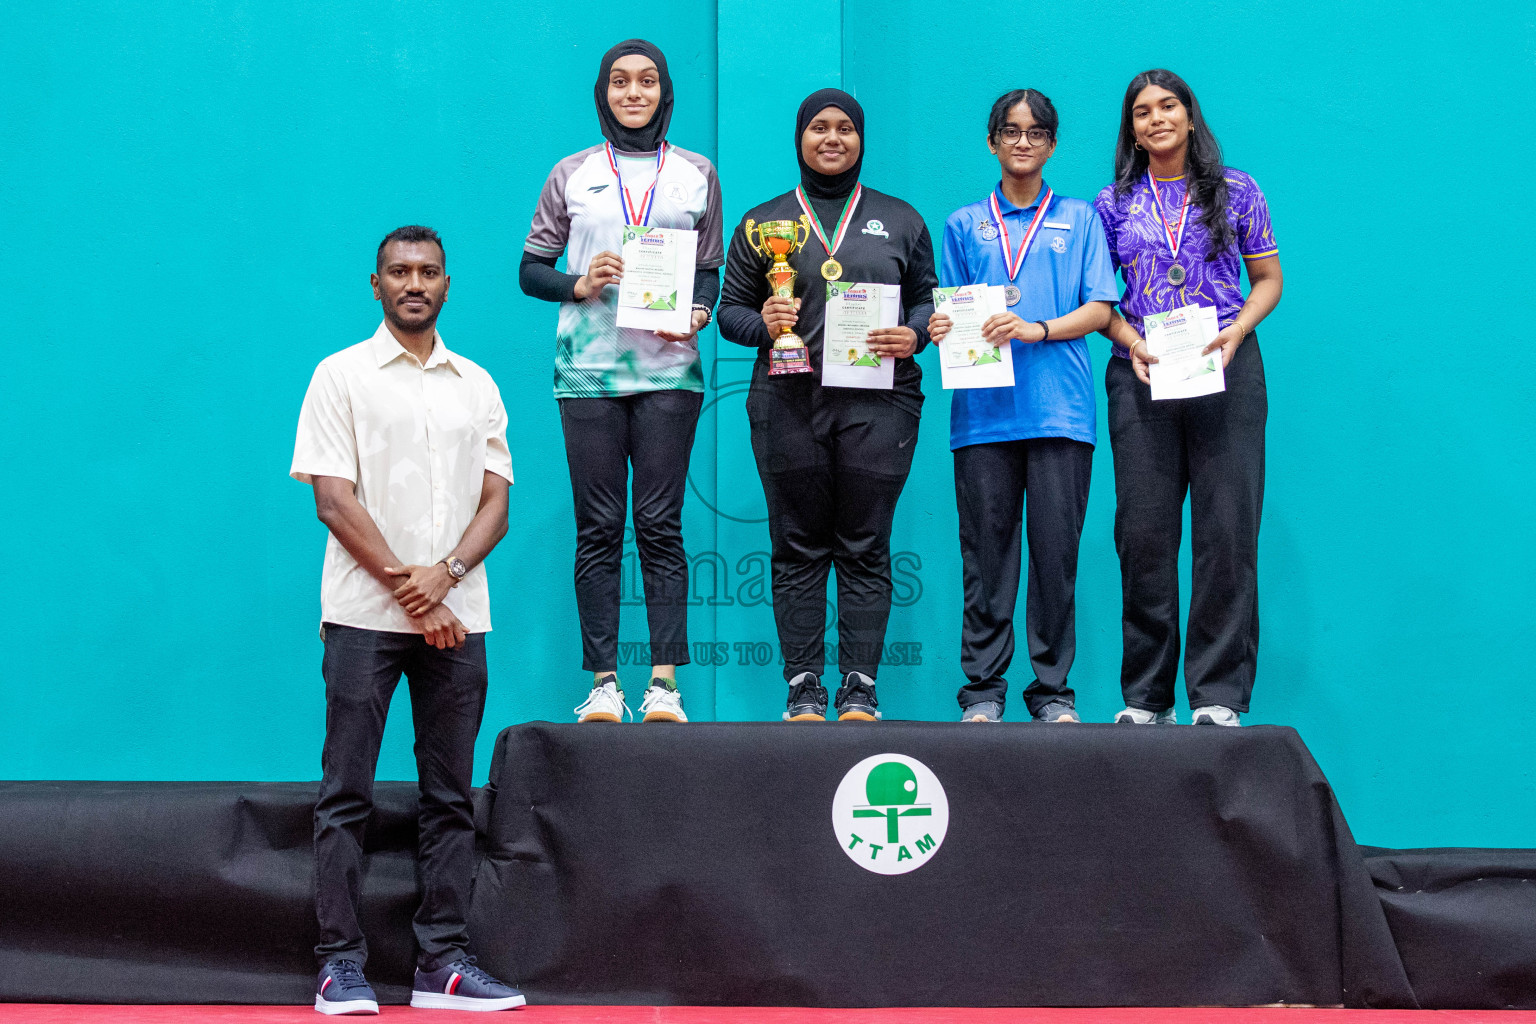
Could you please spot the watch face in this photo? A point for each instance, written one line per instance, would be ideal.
(456, 568)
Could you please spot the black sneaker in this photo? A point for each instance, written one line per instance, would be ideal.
(807, 699)
(341, 988)
(856, 699)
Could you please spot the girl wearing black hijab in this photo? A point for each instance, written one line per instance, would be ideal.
(833, 460)
(628, 398)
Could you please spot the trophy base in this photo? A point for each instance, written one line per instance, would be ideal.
(782, 361)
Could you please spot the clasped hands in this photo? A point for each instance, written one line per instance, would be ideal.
(898, 342)
(607, 268)
(421, 595)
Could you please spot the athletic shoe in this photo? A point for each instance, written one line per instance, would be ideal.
(341, 988)
(1058, 711)
(856, 699)
(1136, 716)
(983, 711)
(662, 703)
(1215, 714)
(807, 699)
(462, 986)
(605, 703)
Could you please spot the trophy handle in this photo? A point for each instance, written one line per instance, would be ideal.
(756, 244)
(802, 231)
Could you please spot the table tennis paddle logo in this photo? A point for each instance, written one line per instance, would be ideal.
(890, 814)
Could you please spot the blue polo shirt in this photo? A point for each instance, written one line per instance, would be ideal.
(1053, 393)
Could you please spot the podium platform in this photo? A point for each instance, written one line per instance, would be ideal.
(1091, 865)
(715, 864)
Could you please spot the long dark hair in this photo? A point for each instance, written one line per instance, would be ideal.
(1207, 183)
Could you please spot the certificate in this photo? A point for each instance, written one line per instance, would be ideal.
(656, 293)
(1176, 338)
(966, 359)
(853, 310)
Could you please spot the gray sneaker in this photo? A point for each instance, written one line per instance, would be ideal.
(1136, 716)
(1058, 711)
(1215, 714)
(983, 711)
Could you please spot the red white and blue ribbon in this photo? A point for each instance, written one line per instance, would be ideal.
(839, 232)
(640, 216)
(1014, 262)
(1174, 235)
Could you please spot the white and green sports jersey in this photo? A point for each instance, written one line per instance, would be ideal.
(580, 214)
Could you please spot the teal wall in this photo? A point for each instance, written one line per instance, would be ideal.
(191, 194)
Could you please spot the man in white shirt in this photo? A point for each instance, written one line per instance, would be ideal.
(405, 443)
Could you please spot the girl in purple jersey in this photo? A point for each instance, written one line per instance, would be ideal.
(1181, 227)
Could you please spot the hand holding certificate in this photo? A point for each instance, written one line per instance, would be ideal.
(656, 292)
(966, 358)
(1178, 339)
(853, 310)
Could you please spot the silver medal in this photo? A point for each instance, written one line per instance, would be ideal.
(1013, 295)
(1176, 275)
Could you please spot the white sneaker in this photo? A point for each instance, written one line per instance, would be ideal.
(1136, 716)
(1215, 714)
(662, 705)
(605, 703)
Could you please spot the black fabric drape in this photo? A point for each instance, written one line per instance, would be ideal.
(1120, 866)
(1464, 923)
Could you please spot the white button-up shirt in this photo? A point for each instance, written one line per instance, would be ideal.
(416, 441)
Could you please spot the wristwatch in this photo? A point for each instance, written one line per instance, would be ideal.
(457, 569)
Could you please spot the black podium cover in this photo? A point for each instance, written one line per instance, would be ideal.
(1083, 865)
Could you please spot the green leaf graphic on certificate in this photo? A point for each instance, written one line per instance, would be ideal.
(988, 355)
(665, 302)
(868, 359)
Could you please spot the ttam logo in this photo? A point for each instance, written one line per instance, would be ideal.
(890, 814)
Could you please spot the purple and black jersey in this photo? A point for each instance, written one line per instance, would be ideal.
(1139, 248)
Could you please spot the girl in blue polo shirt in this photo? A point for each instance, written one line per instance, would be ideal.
(1028, 446)
(1182, 227)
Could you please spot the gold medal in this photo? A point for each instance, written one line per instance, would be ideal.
(831, 270)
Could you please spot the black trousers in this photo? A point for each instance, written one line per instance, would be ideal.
(1213, 449)
(1000, 489)
(833, 462)
(361, 669)
(653, 431)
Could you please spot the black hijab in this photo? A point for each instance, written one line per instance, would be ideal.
(828, 186)
(647, 138)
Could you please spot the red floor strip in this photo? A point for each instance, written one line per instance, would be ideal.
(25, 1013)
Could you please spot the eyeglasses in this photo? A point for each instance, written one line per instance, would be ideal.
(1011, 136)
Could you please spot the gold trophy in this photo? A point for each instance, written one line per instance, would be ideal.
(778, 239)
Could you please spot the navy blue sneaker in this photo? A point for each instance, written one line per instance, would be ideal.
(462, 986)
(341, 988)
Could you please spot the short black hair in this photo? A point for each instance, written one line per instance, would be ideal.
(410, 233)
(1040, 107)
